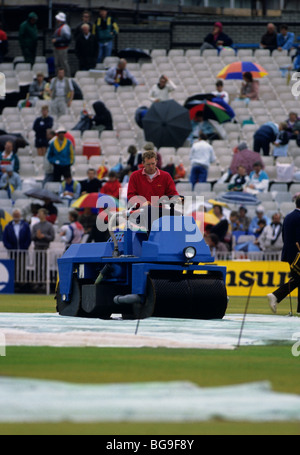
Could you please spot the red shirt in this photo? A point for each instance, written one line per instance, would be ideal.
(111, 188)
(141, 185)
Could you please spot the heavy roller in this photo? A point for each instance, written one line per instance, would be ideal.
(167, 273)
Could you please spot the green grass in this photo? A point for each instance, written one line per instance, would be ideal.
(207, 368)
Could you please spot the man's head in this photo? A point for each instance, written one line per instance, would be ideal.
(91, 173)
(276, 218)
(219, 86)
(257, 167)
(32, 18)
(103, 12)
(60, 132)
(60, 73)
(61, 17)
(40, 77)
(150, 161)
(45, 111)
(234, 216)
(8, 147)
(162, 81)
(260, 212)
(85, 29)
(293, 117)
(112, 176)
(122, 64)
(297, 202)
(284, 29)
(271, 28)
(86, 16)
(42, 214)
(241, 170)
(17, 215)
(68, 178)
(73, 216)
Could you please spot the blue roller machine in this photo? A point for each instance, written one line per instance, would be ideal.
(167, 273)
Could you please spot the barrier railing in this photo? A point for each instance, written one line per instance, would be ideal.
(35, 267)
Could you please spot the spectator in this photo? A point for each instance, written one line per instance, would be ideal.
(61, 92)
(119, 75)
(37, 88)
(91, 184)
(88, 220)
(254, 227)
(17, 235)
(28, 38)
(220, 92)
(293, 125)
(221, 228)
(40, 126)
(199, 125)
(244, 157)
(217, 39)
(42, 235)
(258, 180)
(201, 156)
(244, 219)
(269, 39)
(86, 19)
(61, 41)
(249, 88)
(69, 189)
(73, 232)
(43, 232)
(285, 39)
(86, 49)
(239, 180)
(51, 211)
(34, 219)
(113, 186)
(135, 160)
(3, 43)
(161, 90)
(102, 120)
(61, 155)
(281, 143)
(270, 240)
(105, 29)
(264, 136)
(215, 245)
(9, 158)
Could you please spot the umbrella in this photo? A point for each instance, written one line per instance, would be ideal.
(236, 70)
(43, 194)
(210, 110)
(133, 53)
(198, 97)
(167, 124)
(193, 100)
(90, 200)
(5, 218)
(236, 197)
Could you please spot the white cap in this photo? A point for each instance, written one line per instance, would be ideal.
(61, 17)
(61, 129)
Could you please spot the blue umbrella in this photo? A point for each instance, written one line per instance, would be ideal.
(223, 103)
(236, 197)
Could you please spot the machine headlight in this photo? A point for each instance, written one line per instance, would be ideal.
(189, 252)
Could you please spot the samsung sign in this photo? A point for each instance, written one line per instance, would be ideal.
(7, 274)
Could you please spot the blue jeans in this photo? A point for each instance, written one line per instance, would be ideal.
(105, 50)
(198, 174)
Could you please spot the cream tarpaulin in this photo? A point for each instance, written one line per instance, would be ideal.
(26, 400)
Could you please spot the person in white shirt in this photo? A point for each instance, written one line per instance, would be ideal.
(220, 92)
(161, 90)
(201, 156)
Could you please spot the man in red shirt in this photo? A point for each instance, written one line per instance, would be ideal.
(146, 186)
